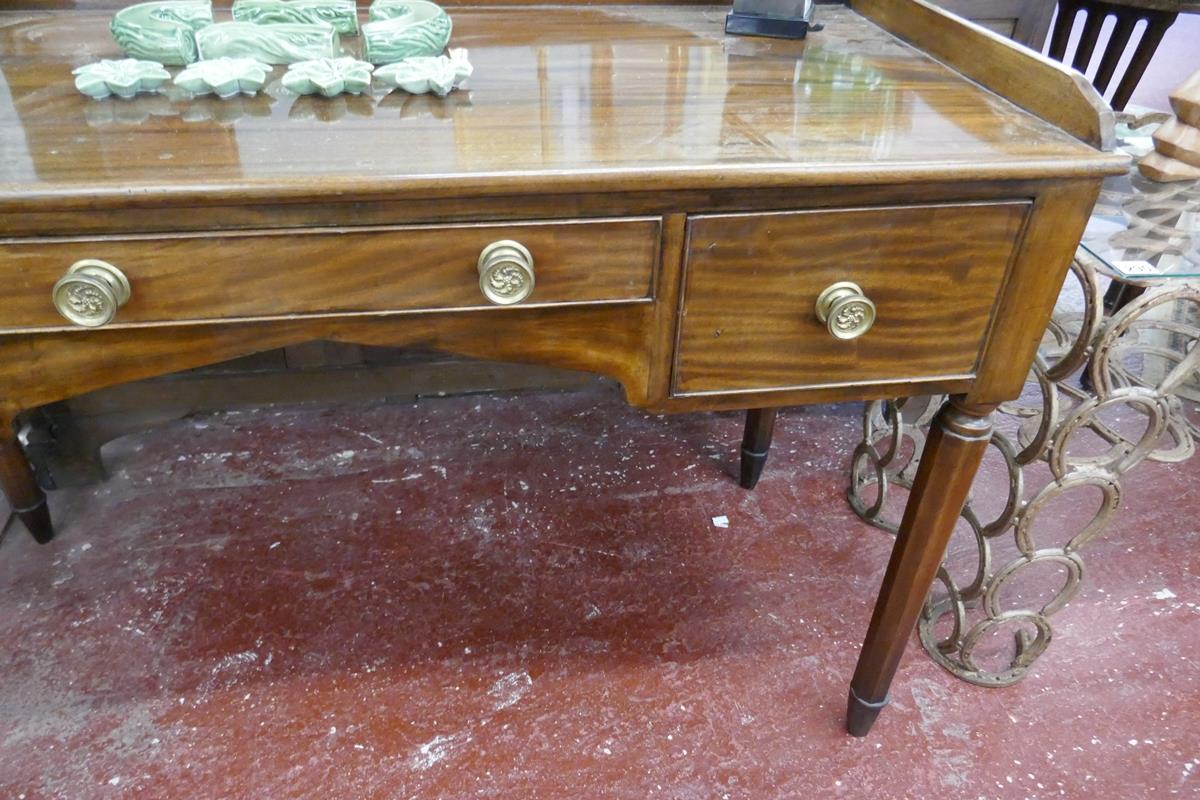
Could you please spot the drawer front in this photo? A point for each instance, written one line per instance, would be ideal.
(751, 284)
(295, 272)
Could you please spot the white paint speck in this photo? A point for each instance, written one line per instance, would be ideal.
(1164, 594)
(234, 660)
(114, 780)
(720, 522)
(437, 749)
(510, 688)
(274, 545)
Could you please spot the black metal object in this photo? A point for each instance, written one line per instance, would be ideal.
(779, 19)
(756, 443)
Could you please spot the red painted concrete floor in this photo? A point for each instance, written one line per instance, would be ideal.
(526, 597)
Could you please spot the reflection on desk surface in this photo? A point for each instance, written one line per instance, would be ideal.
(554, 89)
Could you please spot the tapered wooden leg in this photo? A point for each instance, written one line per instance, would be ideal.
(756, 443)
(957, 441)
(24, 495)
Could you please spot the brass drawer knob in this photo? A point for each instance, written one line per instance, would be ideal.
(845, 310)
(91, 292)
(506, 272)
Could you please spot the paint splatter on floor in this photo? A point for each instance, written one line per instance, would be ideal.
(530, 596)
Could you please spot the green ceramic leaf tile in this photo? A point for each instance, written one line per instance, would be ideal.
(271, 44)
(124, 77)
(341, 14)
(440, 74)
(417, 28)
(224, 77)
(328, 76)
(162, 31)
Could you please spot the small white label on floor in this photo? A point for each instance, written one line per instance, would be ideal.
(721, 522)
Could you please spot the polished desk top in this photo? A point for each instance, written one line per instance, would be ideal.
(580, 98)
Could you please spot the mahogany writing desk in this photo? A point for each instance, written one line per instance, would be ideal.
(713, 221)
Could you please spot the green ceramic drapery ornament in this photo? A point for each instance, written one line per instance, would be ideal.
(329, 76)
(123, 77)
(162, 31)
(389, 9)
(414, 28)
(285, 43)
(341, 14)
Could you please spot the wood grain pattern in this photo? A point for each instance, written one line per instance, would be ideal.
(607, 340)
(1185, 100)
(752, 282)
(1056, 222)
(1044, 87)
(1178, 140)
(661, 346)
(280, 273)
(677, 105)
(218, 218)
(1024, 21)
(957, 440)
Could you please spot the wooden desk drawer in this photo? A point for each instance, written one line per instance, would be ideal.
(295, 272)
(752, 280)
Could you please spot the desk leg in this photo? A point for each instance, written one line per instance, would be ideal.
(756, 443)
(24, 495)
(957, 441)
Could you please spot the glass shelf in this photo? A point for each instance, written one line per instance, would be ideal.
(1143, 232)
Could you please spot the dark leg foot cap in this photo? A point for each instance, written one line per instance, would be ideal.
(860, 715)
(752, 468)
(37, 521)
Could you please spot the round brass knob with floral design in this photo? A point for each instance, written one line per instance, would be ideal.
(506, 272)
(91, 292)
(845, 310)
